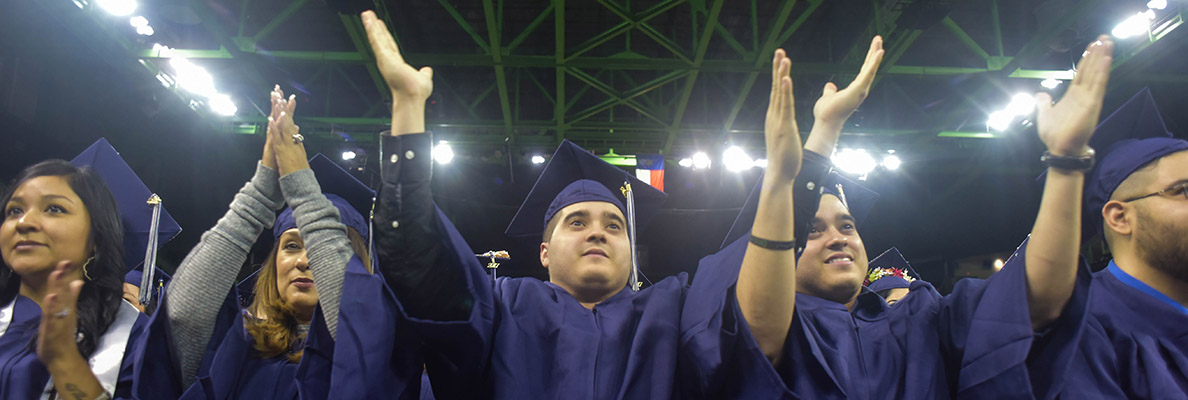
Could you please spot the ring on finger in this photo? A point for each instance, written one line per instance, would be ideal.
(62, 314)
(298, 138)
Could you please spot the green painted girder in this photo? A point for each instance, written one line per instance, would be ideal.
(965, 38)
(615, 95)
(620, 29)
(559, 73)
(466, 27)
(354, 27)
(707, 33)
(622, 99)
(494, 33)
(276, 21)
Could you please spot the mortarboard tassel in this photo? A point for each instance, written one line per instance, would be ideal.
(627, 193)
(150, 251)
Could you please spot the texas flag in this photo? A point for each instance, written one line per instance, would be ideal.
(650, 168)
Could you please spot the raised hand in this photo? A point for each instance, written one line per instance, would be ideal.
(269, 156)
(59, 317)
(285, 136)
(406, 82)
(835, 106)
(1065, 127)
(780, 132)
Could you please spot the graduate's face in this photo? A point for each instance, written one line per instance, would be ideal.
(294, 280)
(1163, 220)
(834, 262)
(45, 222)
(588, 250)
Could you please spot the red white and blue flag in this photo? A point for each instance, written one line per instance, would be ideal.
(650, 168)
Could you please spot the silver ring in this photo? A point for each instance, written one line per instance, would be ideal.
(298, 138)
(62, 314)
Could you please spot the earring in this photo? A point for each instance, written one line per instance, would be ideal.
(84, 268)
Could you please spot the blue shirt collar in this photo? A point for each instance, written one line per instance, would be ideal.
(1143, 287)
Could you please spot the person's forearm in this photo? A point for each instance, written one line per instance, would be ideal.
(1053, 251)
(760, 300)
(824, 136)
(408, 115)
(74, 380)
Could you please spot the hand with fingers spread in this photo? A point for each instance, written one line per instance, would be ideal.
(835, 106)
(781, 134)
(56, 339)
(285, 136)
(410, 87)
(1065, 127)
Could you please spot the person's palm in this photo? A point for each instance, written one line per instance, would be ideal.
(1066, 127)
(403, 79)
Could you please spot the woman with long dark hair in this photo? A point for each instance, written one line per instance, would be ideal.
(203, 344)
(64, 327)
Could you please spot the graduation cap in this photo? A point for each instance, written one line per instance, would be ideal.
(890, 271)
(147, 225)
(1128, 139)
(572, 176)
(857, 198)
(352, 198)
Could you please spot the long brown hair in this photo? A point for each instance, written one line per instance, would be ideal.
(274, 323)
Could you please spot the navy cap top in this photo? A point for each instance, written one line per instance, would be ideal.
(352, 198)
(890, 271)
(572, 176)
(134, 277)
(132, 197)
(858, 200)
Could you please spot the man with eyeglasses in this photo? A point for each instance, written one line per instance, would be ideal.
(1135, 344)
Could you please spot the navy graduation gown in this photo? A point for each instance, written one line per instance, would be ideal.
(373, 359)
(231, 368)
(1134, 346)
(23, 376)
(977, 342)
(531, 339)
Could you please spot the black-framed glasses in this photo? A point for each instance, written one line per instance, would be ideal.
(1172, 191)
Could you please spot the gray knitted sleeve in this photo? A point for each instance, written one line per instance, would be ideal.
(207, 274)
(326, 243)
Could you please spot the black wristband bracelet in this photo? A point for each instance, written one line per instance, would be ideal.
(1082, 162)
(773, 244)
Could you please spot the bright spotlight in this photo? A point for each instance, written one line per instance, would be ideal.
(891, 162)
(1000, 120)
(193, 78)
(736, 159)
(443, 153)
(145, 30)
(761, 163)
(701, 160)
(348, 155)
(118, 8)
(138, 21)
(686, 162)
(998, 263)
(1157, 4)
(538, 159)
(1137, 24)
(857, 162)
(1050, 83)
(221, 104)
(1021, 104)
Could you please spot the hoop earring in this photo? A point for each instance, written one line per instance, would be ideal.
(84, 268)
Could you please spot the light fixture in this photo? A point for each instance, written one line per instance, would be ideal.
(138, 21)
(443, 153)
(1021, 104)
(348, 155)
(685, 162)
(855, 161)
(892, 162)
(193, 78)
(1157, 4)
(736, 159)
(221, 104)
(998, 263)
(119, 8)
(1137, 24)
(145, 30)
(538, 159)
(1050, 83)
(701, 160)
(761, 163)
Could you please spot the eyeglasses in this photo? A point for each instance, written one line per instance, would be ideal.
(1171, 191)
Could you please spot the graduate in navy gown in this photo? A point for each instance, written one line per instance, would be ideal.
(1008, 337)
(890, 276)
(590, 331)
(1136, 340)
(279, 343)
(67, 241)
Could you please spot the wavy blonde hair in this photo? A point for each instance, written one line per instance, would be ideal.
(274, 326)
